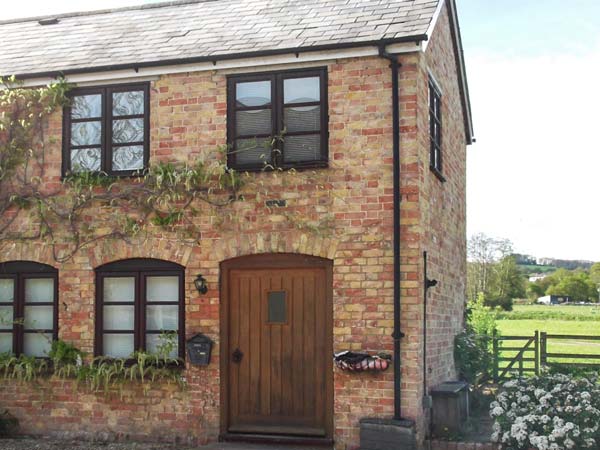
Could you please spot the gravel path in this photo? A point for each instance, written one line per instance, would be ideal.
(52, 444)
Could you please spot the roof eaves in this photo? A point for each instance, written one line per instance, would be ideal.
(223, 57)
(462, 72)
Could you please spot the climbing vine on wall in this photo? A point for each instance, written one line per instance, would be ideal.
(86, 207)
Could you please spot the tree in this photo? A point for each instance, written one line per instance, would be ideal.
(507, 283)
(537, 289)
(483, 253)
(577, 285)
(595, 274)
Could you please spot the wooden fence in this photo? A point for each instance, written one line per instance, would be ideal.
(524, 355)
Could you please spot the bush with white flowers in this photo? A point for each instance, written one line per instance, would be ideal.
(549, 412)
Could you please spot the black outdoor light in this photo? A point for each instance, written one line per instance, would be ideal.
(200, 283)
(429, 283)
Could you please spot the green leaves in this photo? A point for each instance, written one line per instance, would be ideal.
(22, 368)
(101, 374)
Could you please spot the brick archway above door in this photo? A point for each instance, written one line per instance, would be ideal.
(230, 246)
(276, 335)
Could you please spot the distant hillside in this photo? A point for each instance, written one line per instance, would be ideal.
(568, 264)
(532, 262)
(532, 269)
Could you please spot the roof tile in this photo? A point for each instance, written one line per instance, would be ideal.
(188, 29)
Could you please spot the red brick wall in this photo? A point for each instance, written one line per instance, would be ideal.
(443, 206)
(188, 120)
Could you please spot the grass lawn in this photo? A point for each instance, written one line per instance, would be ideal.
(558, 312)
(574, 320)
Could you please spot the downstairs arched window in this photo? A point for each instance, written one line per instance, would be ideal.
(28, 308)
(138, 303)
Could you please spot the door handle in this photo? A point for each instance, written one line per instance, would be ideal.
(237, 356)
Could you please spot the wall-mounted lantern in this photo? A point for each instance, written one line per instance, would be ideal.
(200, 283)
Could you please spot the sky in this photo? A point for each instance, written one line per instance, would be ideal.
(532, 67)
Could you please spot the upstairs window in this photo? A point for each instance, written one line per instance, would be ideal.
(435, 128)
(107, 130)
(137, 301)
(278, 120)
(28, 308)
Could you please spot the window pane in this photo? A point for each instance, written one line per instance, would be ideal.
(162, 317)
(128, 130)
(119, 289)
(86, 133)
(7, 290)
(253, 122)
(39, 317)
(154, 340)
(251, 151)
(303, 118)
(39, 290)
(277, 307)
(118, 318)
(256, 93)
(302, 148)
(86, 106)
(300, 90)
(128, 158)
(128, 103)
(117, 345)
(85, 160)
(37, 344)
(162, 289)
(6, 318)
(6, 343)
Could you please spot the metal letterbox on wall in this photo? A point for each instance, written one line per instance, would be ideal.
(199, 348)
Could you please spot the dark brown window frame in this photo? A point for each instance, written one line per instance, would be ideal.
(277, 106)
(20, 271)
(435, 133)
(106, 119)
(139, 269)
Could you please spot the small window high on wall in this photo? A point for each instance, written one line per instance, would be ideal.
(278, 120)
(106, 129)
(138, 303)
(28, 308)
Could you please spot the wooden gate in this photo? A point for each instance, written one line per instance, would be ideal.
(524, 361)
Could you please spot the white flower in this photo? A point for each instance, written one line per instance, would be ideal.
(497, 411)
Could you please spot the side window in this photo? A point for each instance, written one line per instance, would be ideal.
(435, 127)
(137, 301)
(106, 130)
(278, 120)
(28, 308)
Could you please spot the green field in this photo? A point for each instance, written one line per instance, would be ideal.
(544, 312)
(524, 320)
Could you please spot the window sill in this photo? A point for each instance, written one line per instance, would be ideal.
(124, 175)
(438, 174)
(296, 167)
(130, 362)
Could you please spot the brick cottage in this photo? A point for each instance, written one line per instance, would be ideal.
(365, 106)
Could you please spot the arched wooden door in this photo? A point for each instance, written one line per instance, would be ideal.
(276, 354)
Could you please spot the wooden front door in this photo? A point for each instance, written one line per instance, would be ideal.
(277, 346)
